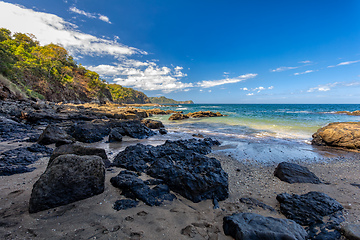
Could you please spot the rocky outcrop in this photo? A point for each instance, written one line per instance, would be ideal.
(15, 161)
(135, 188)
(354, 113)
(153, 124)
(201, 114)
(157, 111)
(182, 166)
(316, 210)
(81, 150)
(55, 134)
(293, 173)
(67, 179)
(345, 135)
(178, 116)
(251, 226)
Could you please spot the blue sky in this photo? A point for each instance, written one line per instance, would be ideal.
(207, 51)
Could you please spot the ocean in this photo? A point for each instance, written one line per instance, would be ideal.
(257, 132)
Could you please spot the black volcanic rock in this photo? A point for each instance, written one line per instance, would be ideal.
(321, 213)
(180, 164)
(251, 226)
(54, 134)
(16, 160)
(67, 179)
(134, 187)
(293, 173)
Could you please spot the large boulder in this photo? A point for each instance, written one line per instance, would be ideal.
(81, 150)
(251, 226)
(182, 165)
(293, 173)
(67, 179)
(54, 134)
(345, 134)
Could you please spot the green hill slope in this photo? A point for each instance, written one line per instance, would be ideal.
(164, 100)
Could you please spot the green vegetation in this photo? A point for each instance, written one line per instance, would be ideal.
(127, 95)
(164, 100)
(47, 72)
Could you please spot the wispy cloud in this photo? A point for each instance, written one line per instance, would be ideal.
(305, 62)
(49, 28)
(90, 15)
(281, 69)
(213, 83)
(329, 86)
(344, 63)
(307, 71)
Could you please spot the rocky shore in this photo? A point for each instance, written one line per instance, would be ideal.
(57, 184)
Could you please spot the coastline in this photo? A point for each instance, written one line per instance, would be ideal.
(95, 218)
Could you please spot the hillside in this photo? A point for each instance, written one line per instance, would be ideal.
(127, 95)
(28, 70)
(164, 100)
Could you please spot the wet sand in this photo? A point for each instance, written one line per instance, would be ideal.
(94, 218)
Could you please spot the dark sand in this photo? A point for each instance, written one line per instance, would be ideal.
(94, 218)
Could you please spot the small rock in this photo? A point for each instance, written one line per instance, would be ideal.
(124, 204)
(293, 173)
(351, 231)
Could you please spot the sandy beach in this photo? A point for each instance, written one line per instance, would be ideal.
(95, 218)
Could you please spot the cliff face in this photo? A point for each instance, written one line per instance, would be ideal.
(164, 100)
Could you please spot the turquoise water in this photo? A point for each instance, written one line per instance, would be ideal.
(287, 121)
(261, 133)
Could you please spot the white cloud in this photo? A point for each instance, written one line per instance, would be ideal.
(144, 75)
(249, 94)
(213, 83)
(271, 87)
(245, 89)
(306, 61)
(307, 71)
(90, 15)
(344, 63)
(329, 86)
(49, 28)
(281, 69)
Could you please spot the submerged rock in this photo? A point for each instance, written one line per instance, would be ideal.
(343, 134)
(293, 173)
(201, 114)
(67, 179)
(251, 226)
(182, 165)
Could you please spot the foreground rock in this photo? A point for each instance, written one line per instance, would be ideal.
(346, 135)
(81, 150)
(182, 165)
(135, 188)
(293, 173)
(251, 226)
(15, 161)
(310, 210)
(67, 179)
